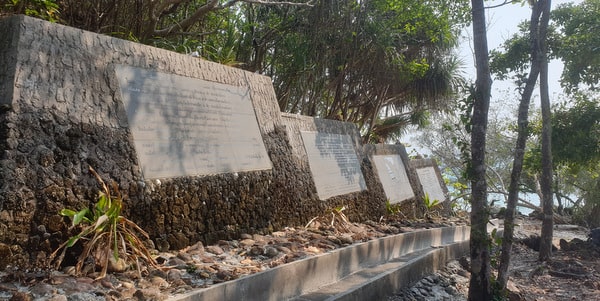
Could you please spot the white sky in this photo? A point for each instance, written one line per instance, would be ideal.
(502, 24)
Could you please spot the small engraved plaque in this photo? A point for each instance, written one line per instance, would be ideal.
(184, 126)
(333, 163)
(431, 183)
(393, 178)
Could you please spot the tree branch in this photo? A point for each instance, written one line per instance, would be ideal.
(522, 202)
(506, 2)
(263, 2)
(162, 7)
(230, 3)
(194, 34)
(211, 5)
(186, 23)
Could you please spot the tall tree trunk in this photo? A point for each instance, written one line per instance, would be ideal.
(560, 208)
(546, 180)
(523, 122)
(479, 285)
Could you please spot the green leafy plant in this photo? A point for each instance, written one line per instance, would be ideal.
(391, 208)
(105, 234)
(43, 9)
(430, 205)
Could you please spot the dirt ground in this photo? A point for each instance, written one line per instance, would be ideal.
(573, 273)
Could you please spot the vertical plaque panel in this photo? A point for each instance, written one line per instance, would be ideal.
(431, 183)
(333, 164)
(183, 126)
(392, 175)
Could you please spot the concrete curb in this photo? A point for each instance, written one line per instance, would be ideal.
(429, 248)
(411, 269)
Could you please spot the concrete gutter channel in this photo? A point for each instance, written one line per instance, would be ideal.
(365, 271)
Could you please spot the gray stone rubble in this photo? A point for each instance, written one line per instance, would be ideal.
(448, 284)
(195, 266)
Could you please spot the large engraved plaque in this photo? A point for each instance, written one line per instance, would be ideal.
(392, 175)
(183, 126)
(333, 164)
(431, 183)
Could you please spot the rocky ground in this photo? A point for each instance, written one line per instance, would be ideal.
(572, 273)
(200, 266)
(448, 284)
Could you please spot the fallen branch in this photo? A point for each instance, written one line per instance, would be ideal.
(566, 275)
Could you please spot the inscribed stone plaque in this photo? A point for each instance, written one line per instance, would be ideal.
(393, 178)
(184, 126)
(431, 183)
(333, 163)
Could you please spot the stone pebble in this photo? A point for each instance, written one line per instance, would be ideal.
(447, 284)
(192, 267)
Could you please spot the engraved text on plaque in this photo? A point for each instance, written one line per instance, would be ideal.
(333, 163)
(185, 126)
(431, 183)
(393, 178)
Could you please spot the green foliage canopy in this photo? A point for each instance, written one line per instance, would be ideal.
(576, 133)
(381, 64)
(572, 38)
(579, 47)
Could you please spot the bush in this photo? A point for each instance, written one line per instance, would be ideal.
(106, 235)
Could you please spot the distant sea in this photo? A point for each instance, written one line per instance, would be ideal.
(529, 197)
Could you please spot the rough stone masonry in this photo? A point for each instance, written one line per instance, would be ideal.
(61, 111)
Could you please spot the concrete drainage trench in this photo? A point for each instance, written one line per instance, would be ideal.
(367, 271)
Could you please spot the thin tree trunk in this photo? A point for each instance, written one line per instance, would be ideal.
(560, 209)
(523, 122)
(479, 285)
(546, 180)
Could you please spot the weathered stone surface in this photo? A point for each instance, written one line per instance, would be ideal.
(61, 111)
(431, 180)
(149, 294)
(409, 206)
(214, 250)
(5, 255)
(444, 284)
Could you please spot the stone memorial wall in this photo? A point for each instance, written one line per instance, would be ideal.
(200, 149)
(332, 151)
(183, 126)
(431, 179)
(400, 181)
(392, 174)
(333, 163)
